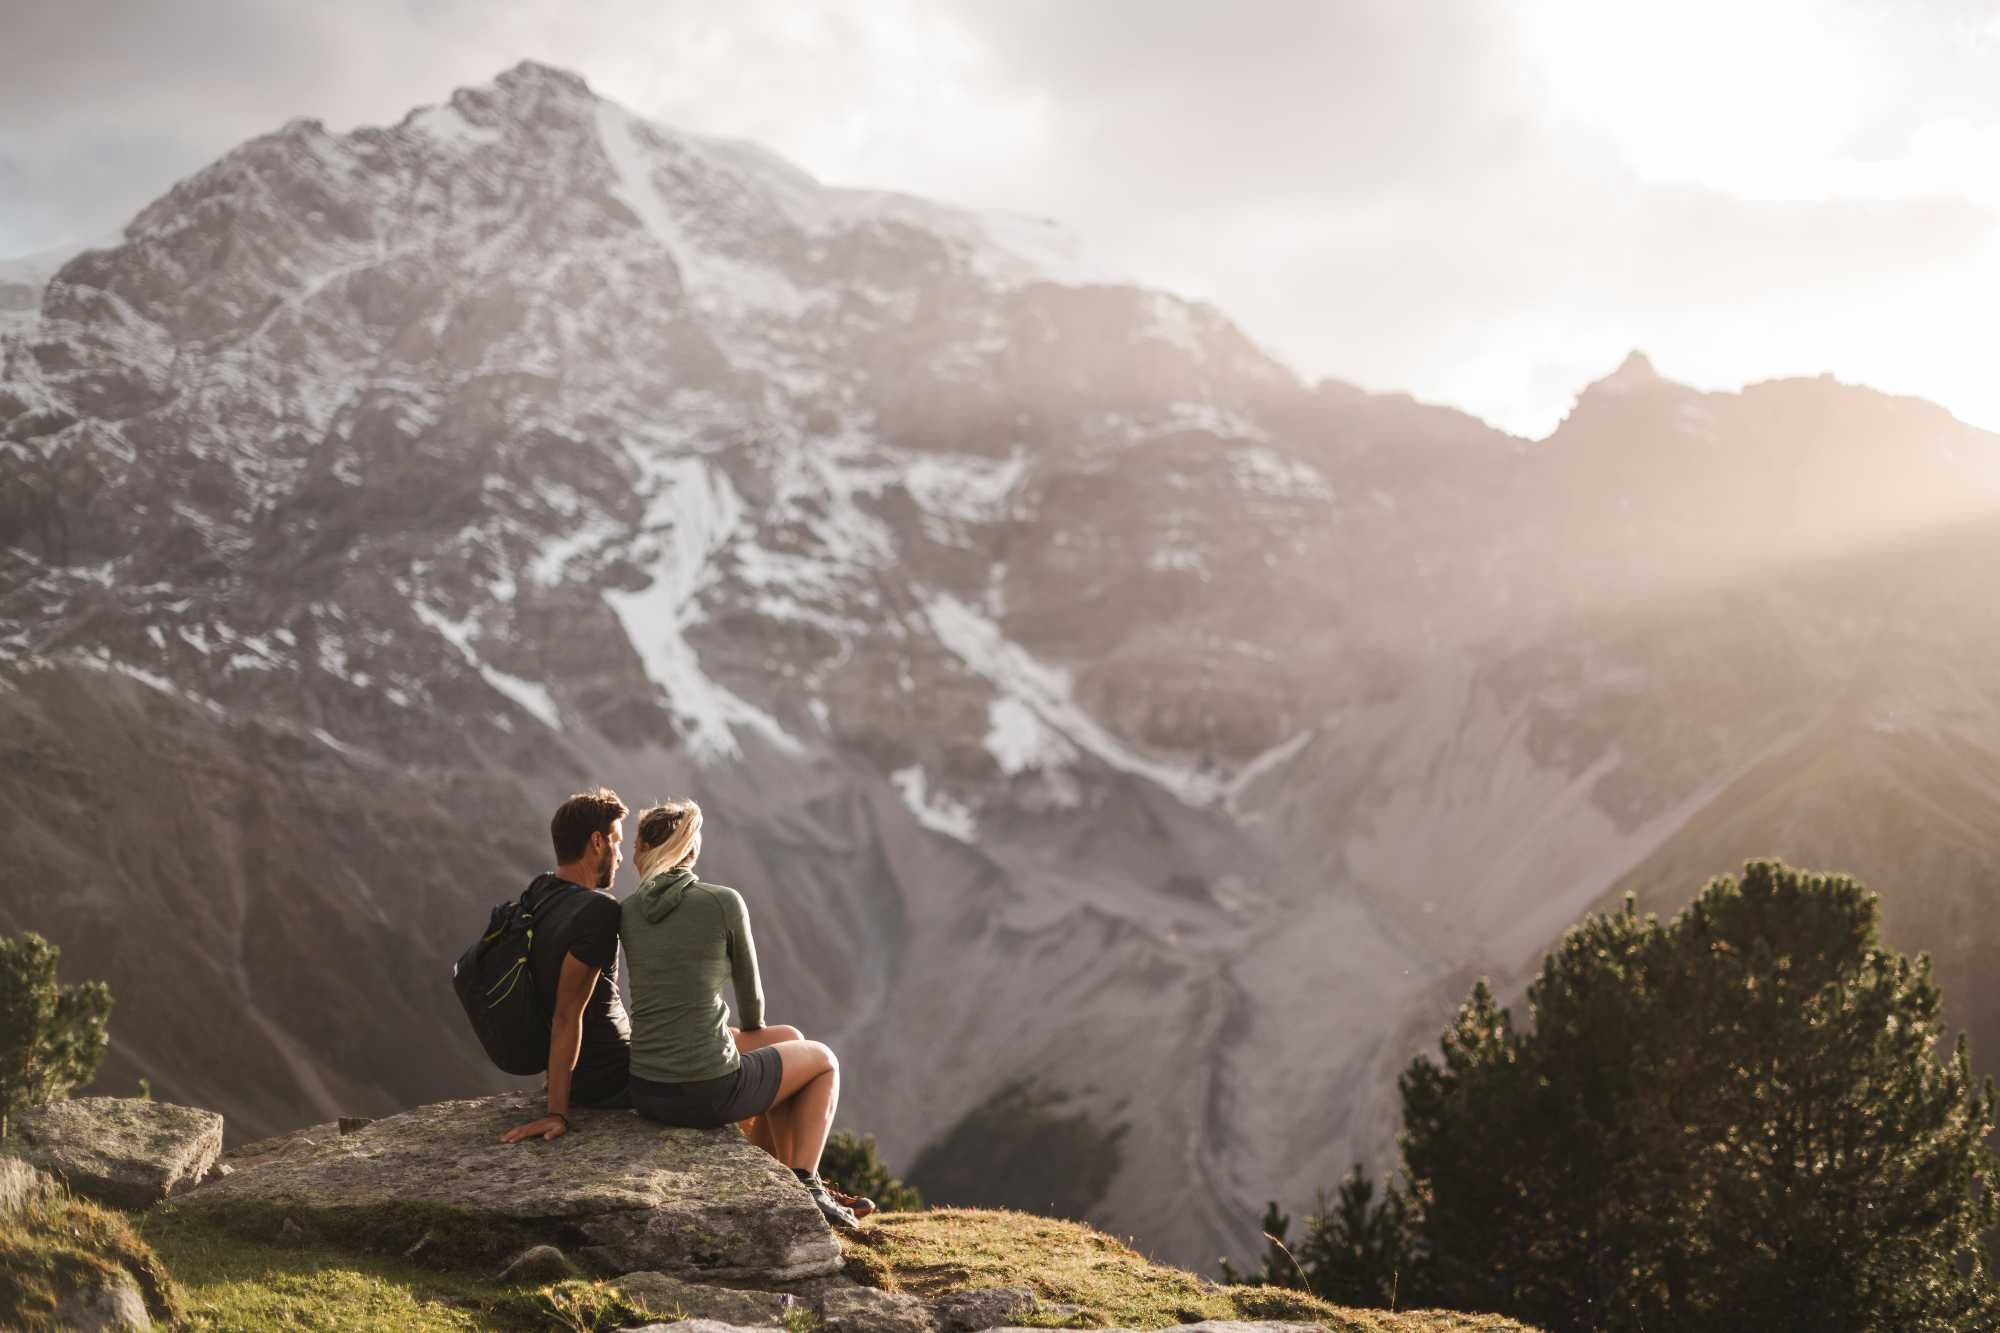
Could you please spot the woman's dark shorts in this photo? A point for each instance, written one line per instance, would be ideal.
(748, 1091)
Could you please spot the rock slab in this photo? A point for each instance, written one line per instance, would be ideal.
(124, 1151)
(618, 1193)
(658, 1294)
(868, 1310)
(986, 1307)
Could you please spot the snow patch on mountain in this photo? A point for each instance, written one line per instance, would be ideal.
(533, 697)
(550, 565)
(716, 283)
(693, 513)
(1044, 691)
(451, 129)
(1020, 741)
(1263, 471)
(954, 490)
(934, 810)
(1175, 418)
(1171, 320)
(1001, 250)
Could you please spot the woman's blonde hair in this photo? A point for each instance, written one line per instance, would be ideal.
(669, 838)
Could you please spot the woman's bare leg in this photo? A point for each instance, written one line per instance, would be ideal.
(762, 1133)
(808, 1094)
(767, 1131)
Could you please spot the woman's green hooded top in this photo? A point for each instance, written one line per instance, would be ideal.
(683, 939)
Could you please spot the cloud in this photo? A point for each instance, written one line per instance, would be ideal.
(1483, 204)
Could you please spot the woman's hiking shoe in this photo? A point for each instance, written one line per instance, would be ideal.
(858, 1204)
(835, 1213)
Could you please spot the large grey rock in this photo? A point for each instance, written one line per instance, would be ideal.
(658, 1294)
(125, 1151)
(618, 1193)
(869, 1310)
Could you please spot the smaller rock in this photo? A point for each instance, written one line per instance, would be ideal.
(989, 1307)
(1205, 1326)
(124, 1151)
(21, 1185)
(659, 1294)
(537, 1263)
(349, 1123)
(870, 1310)
(217, 1172)
(115, 1305)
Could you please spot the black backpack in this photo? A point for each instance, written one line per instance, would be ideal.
(495, 985)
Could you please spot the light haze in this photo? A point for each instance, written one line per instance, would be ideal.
(1483, 205)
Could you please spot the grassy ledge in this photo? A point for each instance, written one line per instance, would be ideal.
(253, 1272)
(947, 1250)
(231, 1281)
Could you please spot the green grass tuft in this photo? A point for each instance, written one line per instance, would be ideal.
(233, 1278)
(434, 1235)
(239, 1269)
(58, 1245)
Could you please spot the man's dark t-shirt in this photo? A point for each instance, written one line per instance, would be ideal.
(584, 922)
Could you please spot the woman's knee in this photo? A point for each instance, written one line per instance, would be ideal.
(810, 1058)
(784, 1032)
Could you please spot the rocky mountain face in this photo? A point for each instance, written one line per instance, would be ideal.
(1081, 700)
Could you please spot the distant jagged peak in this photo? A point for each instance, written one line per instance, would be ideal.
(538, 74)
(720, 182)
(1636, 371)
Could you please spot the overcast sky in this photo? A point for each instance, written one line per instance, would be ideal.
(1483, 204)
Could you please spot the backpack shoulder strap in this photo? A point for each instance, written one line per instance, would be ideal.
(533, 902)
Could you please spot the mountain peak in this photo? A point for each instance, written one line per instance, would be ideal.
(1636, 372)
(535, 74)
(1636, 369)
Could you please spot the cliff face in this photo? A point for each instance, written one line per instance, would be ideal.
(1074, 694)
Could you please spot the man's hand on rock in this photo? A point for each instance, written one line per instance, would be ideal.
(548, 1127)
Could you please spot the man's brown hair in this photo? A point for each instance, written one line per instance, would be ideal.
(581, 815)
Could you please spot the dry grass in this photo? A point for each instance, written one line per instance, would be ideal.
(945, 1250)
(61, 1244)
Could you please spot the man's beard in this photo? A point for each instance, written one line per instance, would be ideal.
(605, 872)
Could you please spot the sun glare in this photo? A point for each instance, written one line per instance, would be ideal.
(1756, 100)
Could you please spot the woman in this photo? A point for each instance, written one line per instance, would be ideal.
(682, 939)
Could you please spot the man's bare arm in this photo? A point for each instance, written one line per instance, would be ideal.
(573, 989)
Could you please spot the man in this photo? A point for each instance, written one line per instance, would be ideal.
(574, 963)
